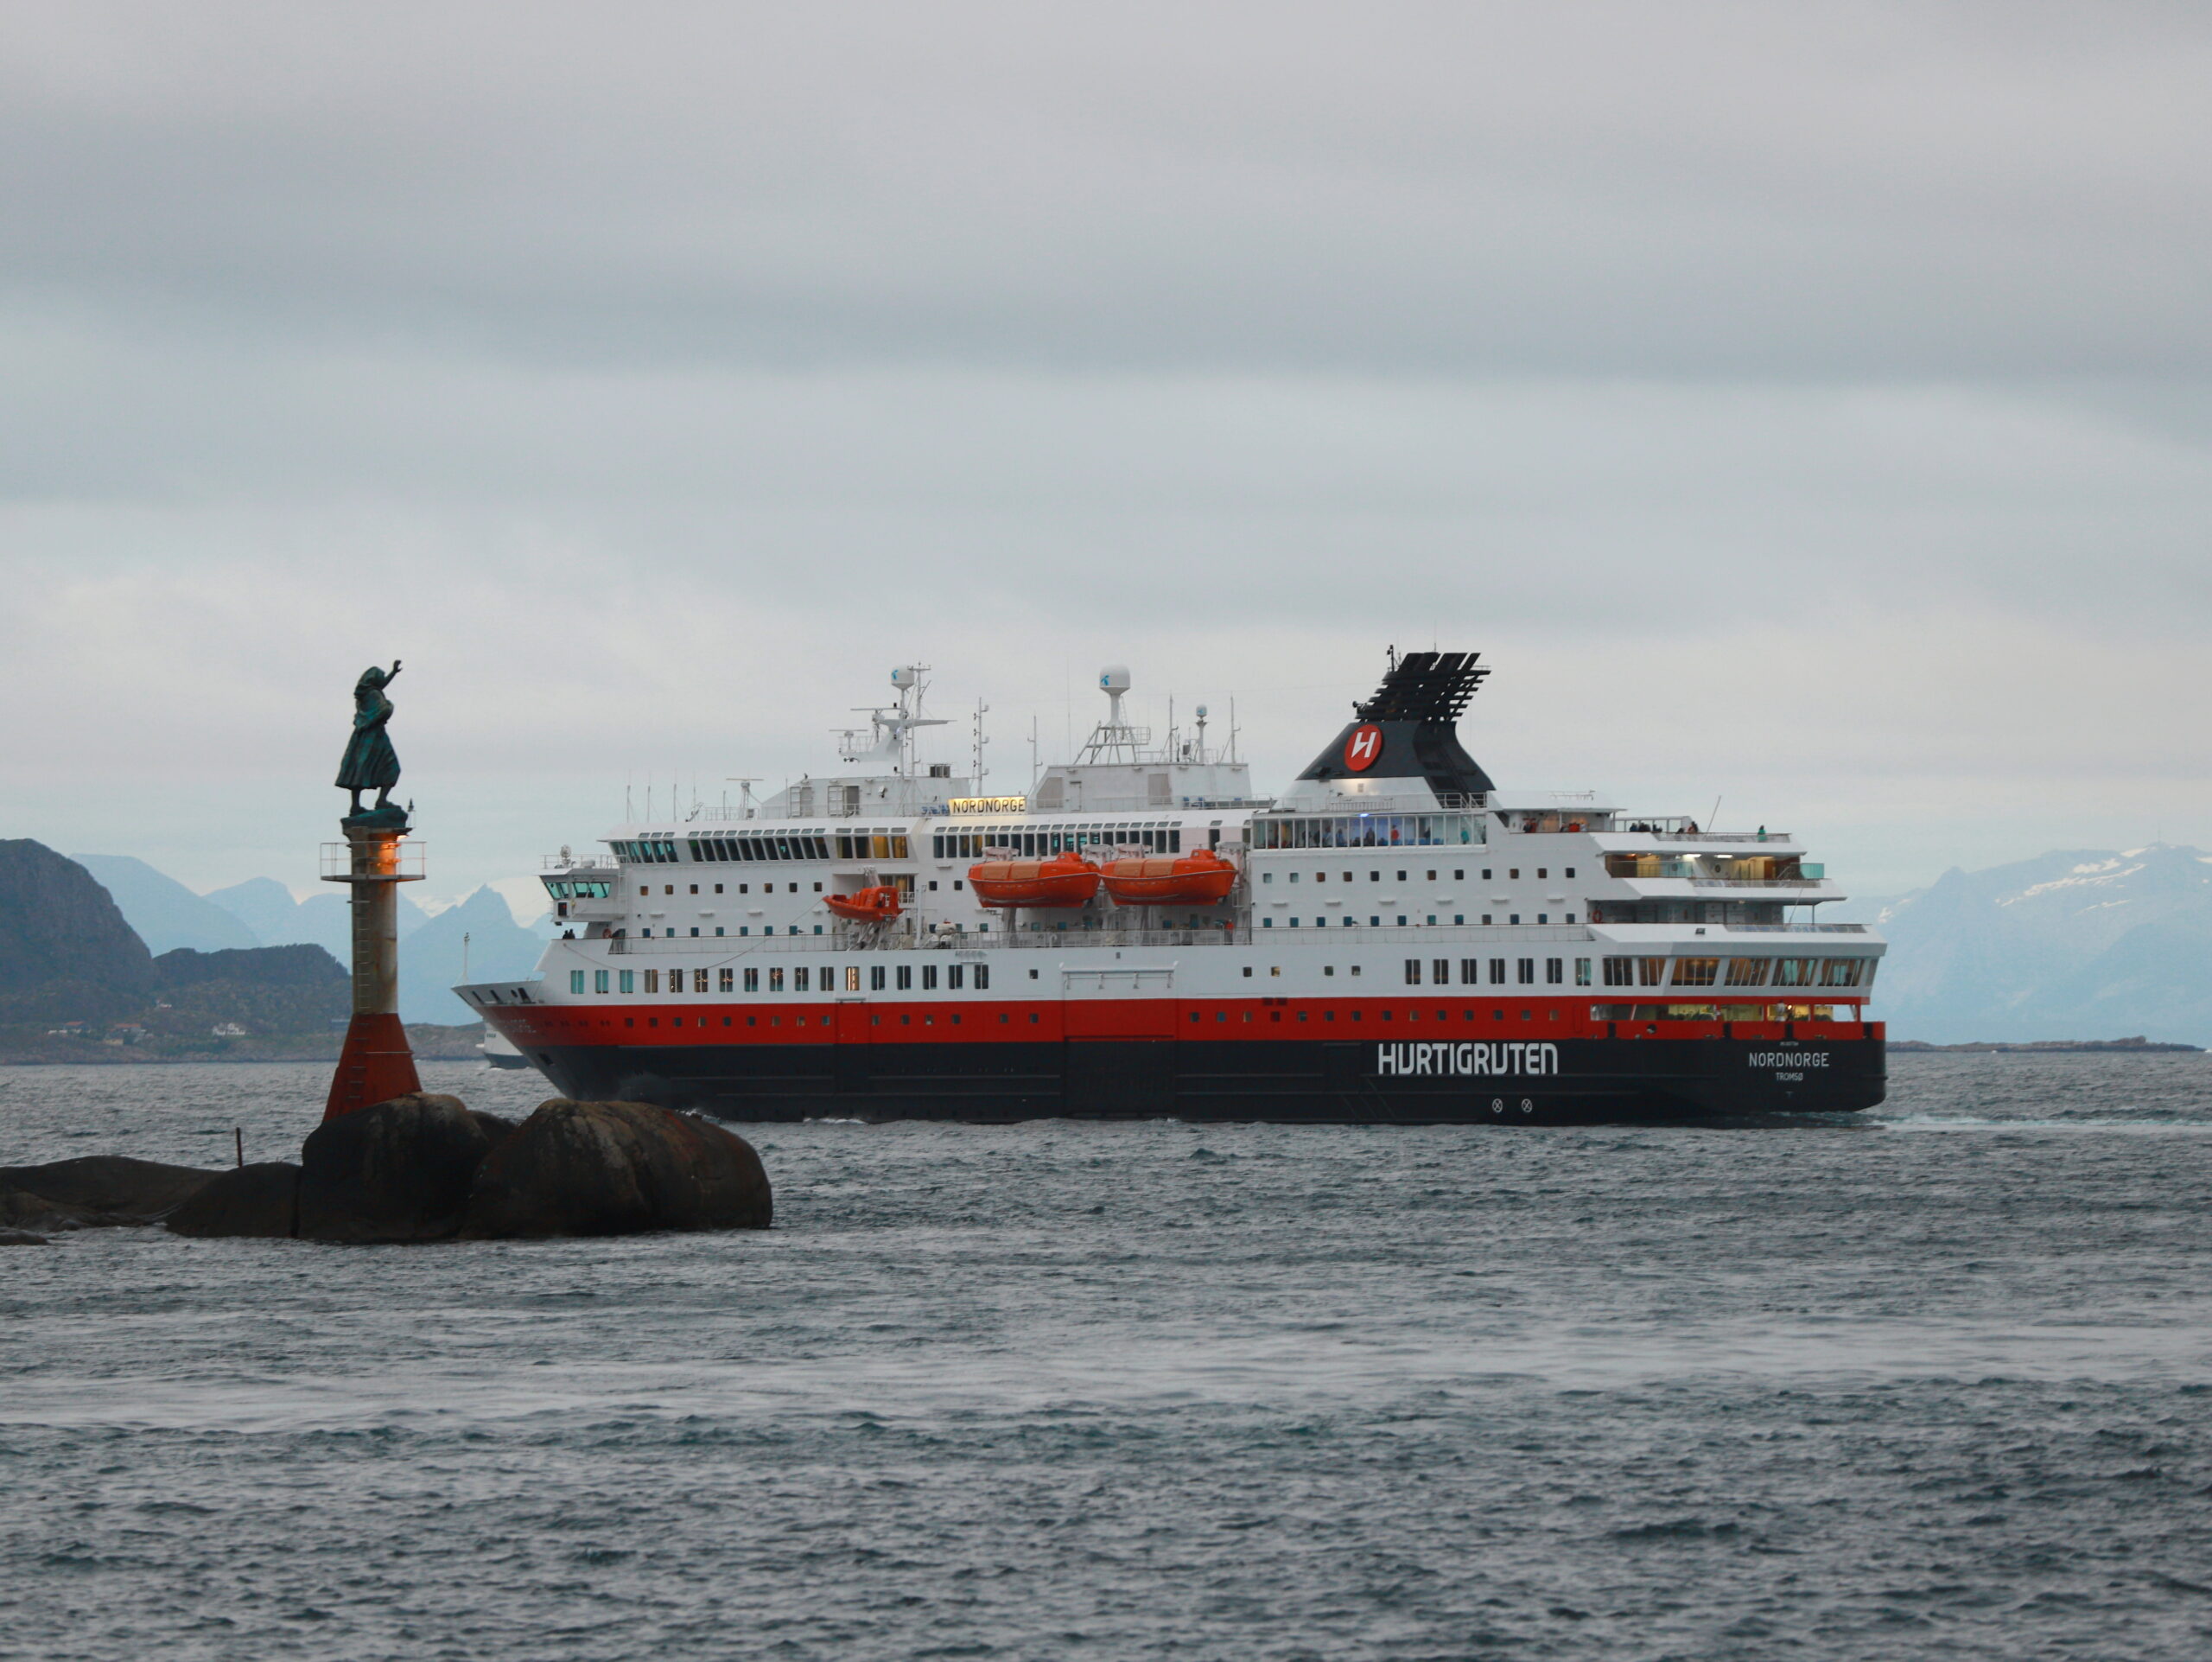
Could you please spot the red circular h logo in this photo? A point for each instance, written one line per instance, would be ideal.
(1363, 748)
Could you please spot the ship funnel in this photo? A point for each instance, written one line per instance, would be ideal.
(1408, 728)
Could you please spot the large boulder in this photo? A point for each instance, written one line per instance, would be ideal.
(617, 1169)
(94, 1190)
(21, 1237)
(394, 1171)
(260, 1200)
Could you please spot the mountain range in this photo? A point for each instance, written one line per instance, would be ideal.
(2076, 944)
(261, 912)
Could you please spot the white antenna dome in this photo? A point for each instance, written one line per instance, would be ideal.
(1202, 712)
(904, 677)
(1114, 678)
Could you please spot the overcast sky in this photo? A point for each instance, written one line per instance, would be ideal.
(1802, 405)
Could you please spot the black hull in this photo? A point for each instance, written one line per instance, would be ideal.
(1587, 1080)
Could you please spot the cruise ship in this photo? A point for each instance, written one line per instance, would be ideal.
(1393, 938)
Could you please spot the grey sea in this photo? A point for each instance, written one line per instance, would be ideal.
(1935, 1382)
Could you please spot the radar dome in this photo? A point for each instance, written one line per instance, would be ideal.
(1114, 678)
(904, 677)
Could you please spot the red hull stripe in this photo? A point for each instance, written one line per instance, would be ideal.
(794, 1022)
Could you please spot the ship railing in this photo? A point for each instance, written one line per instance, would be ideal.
(1676, 828)
(581, 862)
(1411, 938)
(1796, 928)
(1751, 883)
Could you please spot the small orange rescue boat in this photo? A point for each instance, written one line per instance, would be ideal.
(1198, 878)
(877, 905)
(1063, 880)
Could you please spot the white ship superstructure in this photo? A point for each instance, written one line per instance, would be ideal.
(1392, 937)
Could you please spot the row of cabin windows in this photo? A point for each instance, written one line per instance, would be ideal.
(742, 888)
(1007, 842)
(1375, 875)
(1524, 971)
(1376, 920)
(1365, 831)
(768, 845)
(802, 978)
(1618, 972)
(1739, 971)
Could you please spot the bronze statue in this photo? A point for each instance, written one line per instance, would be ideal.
(371, 763)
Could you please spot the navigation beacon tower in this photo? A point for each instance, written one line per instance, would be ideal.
(375, 859)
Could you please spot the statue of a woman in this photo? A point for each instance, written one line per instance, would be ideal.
(371, 763)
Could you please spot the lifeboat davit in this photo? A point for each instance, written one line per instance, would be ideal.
(1199, 878)
(877, 905)
(1063, 880)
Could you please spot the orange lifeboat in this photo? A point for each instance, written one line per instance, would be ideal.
(1199, 878)
(877, 905)
(1063, 880)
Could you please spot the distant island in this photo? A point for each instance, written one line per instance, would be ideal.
(2136, 1046)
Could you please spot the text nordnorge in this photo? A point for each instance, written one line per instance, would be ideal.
(1475, 1059)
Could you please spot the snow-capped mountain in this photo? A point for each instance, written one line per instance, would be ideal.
(2078, 944)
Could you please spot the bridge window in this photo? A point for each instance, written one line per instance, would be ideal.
(652, 980)
(1581, 972)
(598, 981)
(776, 980)
(1525, 971)
(575, 981)
(1554, 972)
(955, 975)
(752, 984)
(984, 979)
(875, 977)
(1497, 972)
(1620, 972)
(726, 981)
(1412, 972)
(928, 977)
(799, 979)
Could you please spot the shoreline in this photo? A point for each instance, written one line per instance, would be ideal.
(430, 1043)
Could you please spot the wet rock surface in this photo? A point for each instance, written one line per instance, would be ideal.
(21, 1237)
(260, 1200)
(425, 1168)
(394, 1171)
(95, 1191)
(618, 1168)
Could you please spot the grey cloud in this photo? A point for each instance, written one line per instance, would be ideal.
(1703, 190)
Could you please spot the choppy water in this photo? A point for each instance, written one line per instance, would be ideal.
(1939, 1383)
